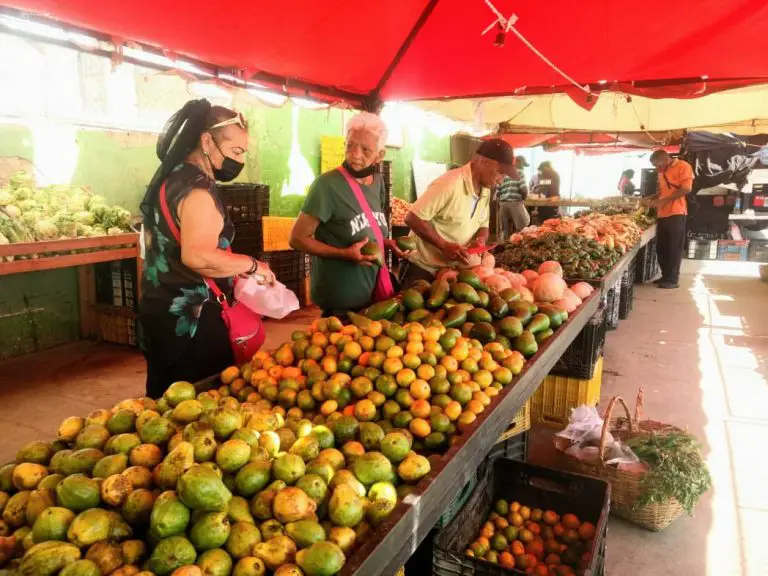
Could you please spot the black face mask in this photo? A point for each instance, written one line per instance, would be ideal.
(364, 173)
(230, 168)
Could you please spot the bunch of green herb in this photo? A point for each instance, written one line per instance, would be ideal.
(676, 469)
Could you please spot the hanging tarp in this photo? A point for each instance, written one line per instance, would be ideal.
(719, 159)
(431, 49)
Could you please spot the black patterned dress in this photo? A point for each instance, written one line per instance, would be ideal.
(180, 332)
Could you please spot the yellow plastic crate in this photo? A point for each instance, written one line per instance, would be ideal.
(277, 233)
(520, 423)
(552, 403)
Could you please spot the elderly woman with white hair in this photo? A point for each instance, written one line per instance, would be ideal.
(342, 215)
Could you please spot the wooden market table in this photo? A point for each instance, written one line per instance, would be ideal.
(409, 524)
(80, 253)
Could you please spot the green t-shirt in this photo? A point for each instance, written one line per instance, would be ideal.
(342, 284)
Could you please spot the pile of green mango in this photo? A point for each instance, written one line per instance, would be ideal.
(466, 303)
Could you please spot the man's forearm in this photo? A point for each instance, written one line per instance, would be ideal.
(424, 230)
(481, 236)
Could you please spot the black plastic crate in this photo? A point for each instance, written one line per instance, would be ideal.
(612, 304)
(514, 448)
(249, 239)
(697, 249)
(627, 291)
(245, 203)
(580, 358)
(532, 486)
(758, 251)
(288, 265)
(647, 263)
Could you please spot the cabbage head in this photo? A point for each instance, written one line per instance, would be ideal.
(46, 230)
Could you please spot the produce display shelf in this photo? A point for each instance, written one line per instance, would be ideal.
(411, 522)
(576, 203)
(88, 251)
(415, 517)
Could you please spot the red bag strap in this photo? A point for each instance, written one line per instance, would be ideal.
(212, 286)
(383, 279)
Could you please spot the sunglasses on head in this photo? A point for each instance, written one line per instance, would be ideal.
(238, 119)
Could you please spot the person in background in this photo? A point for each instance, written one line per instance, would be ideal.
(512, 193)
(333, 227)
(626, 187)
(454, 212)
(188, 267)
(547, 184)
(675, 178)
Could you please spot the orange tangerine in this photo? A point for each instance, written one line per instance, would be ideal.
(395, 352)
(460, 352)
(452, 410)
(364, 359)
(352, 350)
(374, 329)
(425, 372)
(414, 347)
(367, 343)
(466, 420)
(329, 407)
(587, 531)
(432, 333)
(420, 389)
(319, 339)
(415, 327)
(475, 354)
(377, 398)
(349, 410)
(404, 377)
(491, 391)
(475, 406)
(329, 365)
(570, 522)
(449, 363)
(483, 379)
(419, 428)
(482, 397)
(392, 366)
(335, 338)
(517, 548)
(421, 409)
(487, 531)
(411, 361)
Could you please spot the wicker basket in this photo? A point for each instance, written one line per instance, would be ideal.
(626, 487)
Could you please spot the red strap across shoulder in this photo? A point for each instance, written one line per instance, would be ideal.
(212, 286)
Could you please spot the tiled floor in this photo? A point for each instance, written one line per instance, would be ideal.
(699, 352)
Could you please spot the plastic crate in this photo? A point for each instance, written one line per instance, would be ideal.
(552, 403)
(733, 250)
(701, 249)
(245, 203)
(647, 263)
(520, 423)
(458, 502)
(532, 486)
(288, 265)
(116, 324)
(277, 233)
(513, 448)
(580, 358)
(758, 251)
(249, 239)
(612, 302)
(627, 291)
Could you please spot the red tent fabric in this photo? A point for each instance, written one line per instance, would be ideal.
(428, 49)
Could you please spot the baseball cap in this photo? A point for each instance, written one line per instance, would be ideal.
(499, 150)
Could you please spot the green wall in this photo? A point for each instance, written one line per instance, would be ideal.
(39, 310)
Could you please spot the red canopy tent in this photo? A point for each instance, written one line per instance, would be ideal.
(366, 52)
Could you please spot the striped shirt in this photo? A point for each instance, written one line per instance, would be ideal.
(512, 190)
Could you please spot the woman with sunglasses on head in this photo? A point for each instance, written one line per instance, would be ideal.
(189, 269)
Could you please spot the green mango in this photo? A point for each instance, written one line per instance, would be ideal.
(438, 294)
(465, 293)
(483, 332)
(538, 323)
(412, 299)
(544, 335)
(469, 277)
(383, 310)
(521, 311)
(526, 344)
(510, 295)
(456, 316)
(406, 243)
(498, 307)
(479, 315)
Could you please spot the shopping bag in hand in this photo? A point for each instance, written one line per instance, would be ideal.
(272, 300)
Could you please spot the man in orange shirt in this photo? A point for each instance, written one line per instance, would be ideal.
(675, 182)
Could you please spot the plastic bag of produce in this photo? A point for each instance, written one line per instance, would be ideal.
(274, 301)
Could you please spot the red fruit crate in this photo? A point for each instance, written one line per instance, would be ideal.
(534, 487)
(733, 250)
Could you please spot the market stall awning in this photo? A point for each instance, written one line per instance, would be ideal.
(741, 110)
(430, 49)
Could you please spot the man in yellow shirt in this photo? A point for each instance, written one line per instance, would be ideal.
(675, 182)
(453, 214)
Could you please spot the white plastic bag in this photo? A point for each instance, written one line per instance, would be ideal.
(272, 300)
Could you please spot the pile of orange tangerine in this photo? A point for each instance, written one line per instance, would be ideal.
(534, 541)
(427, 380)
